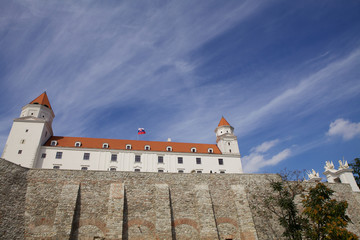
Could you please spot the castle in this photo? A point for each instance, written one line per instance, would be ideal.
(31, 144)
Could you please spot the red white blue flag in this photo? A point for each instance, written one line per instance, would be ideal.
(141, 131)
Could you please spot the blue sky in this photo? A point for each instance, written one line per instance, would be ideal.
(285, 74)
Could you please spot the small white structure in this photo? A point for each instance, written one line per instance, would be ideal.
(31, 144)
(314, 176)
(342, 175)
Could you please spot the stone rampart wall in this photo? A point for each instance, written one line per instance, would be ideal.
(68, 204)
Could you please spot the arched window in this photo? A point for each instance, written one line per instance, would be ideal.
(78, 144)
(169, 149)
(105, 145)
(210, 150)
(147, 147)
(53, 143)
(128, 146)
(193, 150)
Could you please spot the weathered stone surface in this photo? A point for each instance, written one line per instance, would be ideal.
(68, 204)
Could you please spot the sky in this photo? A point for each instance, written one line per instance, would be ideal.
(284, 74)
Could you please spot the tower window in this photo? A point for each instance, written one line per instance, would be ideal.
(221, 161)
(26, 130)
(58, 155)
(230, 150)
(137, 158)
(229, 143)
(128, 147)
(113, 157)
(222, 171)
(43, 155)
(22, 141)
(105, 145)
(160, 159)
(78, 144)
(53, 143)
(193, 150)
(169, 149)
(198, 160)
(180, 160)
(86, 156)
(20, 152)
(210, 150)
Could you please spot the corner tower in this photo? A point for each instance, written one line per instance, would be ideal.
(225, 138)
(29, 132)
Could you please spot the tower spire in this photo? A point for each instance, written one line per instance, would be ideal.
(42, 100)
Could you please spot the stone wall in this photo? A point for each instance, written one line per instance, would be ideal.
(69, 204)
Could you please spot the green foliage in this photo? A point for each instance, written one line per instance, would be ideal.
(287, 214)
(327, 217)
(355, 165)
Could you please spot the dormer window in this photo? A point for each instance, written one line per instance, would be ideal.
(128, 147)
(147, 147)
(105, 145)
(169, 149)
(78, 144)
(193, 150)
(210, 150)
(53, 143)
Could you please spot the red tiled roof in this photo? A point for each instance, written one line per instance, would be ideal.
(42, 100)
(135, 144)
(223, 122)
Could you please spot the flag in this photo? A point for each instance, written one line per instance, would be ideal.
(141, 131)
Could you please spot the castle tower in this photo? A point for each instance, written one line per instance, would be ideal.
(30, 131)
(225, 138)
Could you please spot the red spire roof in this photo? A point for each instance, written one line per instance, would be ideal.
(223, 122)
(42, 100)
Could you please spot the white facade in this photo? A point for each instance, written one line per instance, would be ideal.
(31, 144)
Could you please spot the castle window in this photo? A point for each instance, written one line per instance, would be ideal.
(20, 152)
(43, 155)
(198, 171)
(78, 144)
(53, 143)
(169, 149)
(113, 157)
(180, 171)
(221, 161)
(210, 150)
(58, 155)
(137, 158)
(147, 147)
(26, 130)
(56, 167)
(229, 143)
(22, 141)
(113, 169)
(160, 170)
(160, 159)
(222, 171)
(193, 149)
(84, 168)
(86, 156)
(105, 145)
(198, 160)
(137, 170)
(180, 160)
(230, 150)
(128, 146)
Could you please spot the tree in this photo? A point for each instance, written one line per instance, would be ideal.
(327, 217)
(355, 165)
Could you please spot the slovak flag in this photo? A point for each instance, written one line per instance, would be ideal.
(141, 131)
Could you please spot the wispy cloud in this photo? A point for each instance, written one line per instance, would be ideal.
(259, 158)
(344, 128)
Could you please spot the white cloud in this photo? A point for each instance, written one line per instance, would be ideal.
(258, 158)
(344, 128)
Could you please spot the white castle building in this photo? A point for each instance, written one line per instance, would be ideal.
(31, 144)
